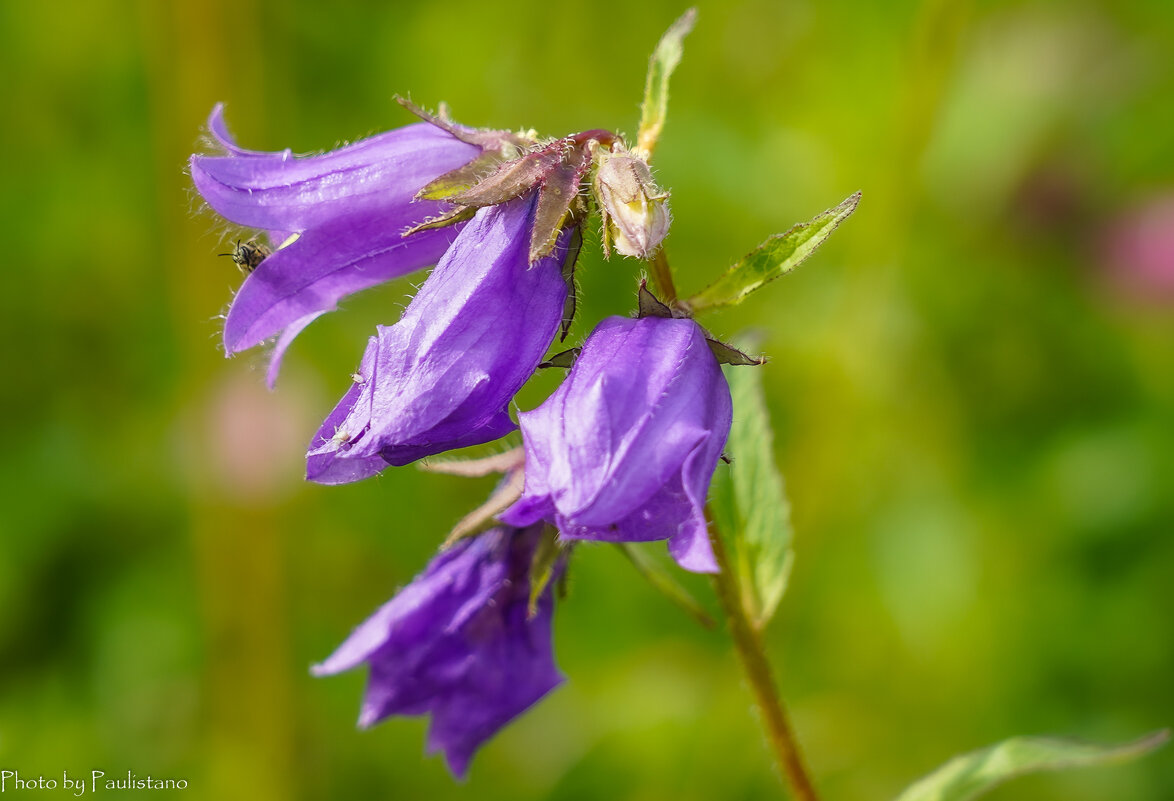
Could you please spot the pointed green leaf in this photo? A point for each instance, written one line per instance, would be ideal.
(750, 503)
(661, 64)
(775, 257)
(663, 581)
(970, 775)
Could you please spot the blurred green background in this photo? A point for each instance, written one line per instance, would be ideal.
(973, 385)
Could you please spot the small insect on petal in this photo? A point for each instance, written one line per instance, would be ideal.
(248, 255)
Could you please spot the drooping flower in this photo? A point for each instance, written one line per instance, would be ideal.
(625, 448)
(459, 643)
(349, 209)
(444, 375)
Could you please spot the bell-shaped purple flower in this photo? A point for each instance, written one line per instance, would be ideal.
(459, 643)
(444, 375)
(625, 448)
(349, 208)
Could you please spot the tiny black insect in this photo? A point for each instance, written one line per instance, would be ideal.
(248, 255)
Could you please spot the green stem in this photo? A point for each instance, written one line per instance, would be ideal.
(662, 277)
(748, 642)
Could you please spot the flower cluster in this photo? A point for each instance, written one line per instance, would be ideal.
(623, 451)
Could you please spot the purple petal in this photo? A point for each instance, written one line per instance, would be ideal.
(324, 467)
(219, 130)
(625, 448)
(452, 579)
(279, 191)
(457, 643)
(349, 207)
(322, 266)
(444, 375)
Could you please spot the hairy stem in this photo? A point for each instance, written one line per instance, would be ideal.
(748, 642)
(662, 277)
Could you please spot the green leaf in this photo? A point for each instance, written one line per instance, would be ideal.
(775, 257)
(663, 581)
(970, 775)
(750, 503)
(661, 64)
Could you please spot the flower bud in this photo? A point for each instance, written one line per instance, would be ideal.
(635, 210)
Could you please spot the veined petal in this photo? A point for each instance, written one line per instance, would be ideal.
(625, 449)
(349, 208)
(321, 464)
(444, 375)
(453, 579)
(457, 643)
(279, 191)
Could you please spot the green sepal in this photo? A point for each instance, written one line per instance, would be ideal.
(728, 354)
(559, 189)
(574, 248)
(542, 567)
(461, 179)
(565, 359)
(457, 214)
(970, 775)
(649, 304)
(749, 502)
(663, 581)
(484, 517)
(775, 257)
(509, 179)
(503, 462)
(506, 144)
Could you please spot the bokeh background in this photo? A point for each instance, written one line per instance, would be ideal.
(973, 385)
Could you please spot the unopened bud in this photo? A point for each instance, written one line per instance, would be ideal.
(635, 210)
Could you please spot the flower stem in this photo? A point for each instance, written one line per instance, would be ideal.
(748, 642)
(662, 276)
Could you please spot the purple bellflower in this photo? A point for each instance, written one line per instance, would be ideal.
(625, 448)
(459, 643)
(349, 209)
(444, 375)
